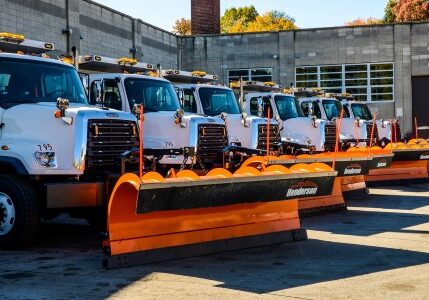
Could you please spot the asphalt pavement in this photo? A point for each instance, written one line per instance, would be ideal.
(378, 249)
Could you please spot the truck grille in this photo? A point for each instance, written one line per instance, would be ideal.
(369, 129)
(107, 140)
(212, 139)
(330, 136)
(274, 137)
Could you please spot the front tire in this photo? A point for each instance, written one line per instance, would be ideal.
(19, 212)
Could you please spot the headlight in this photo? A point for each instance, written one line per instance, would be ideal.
(46, 159)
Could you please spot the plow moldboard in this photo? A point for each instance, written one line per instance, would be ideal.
(147, 223)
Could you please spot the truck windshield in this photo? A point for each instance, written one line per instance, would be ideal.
(30, 81)
(288, 107)
(216, 101)
(361, 111)
(332, 108)
(155, 95)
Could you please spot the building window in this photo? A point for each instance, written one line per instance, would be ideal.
(367, 82)
(261, 74)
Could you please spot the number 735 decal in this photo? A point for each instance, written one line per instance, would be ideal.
(45, 147)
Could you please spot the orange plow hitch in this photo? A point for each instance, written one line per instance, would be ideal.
(152, 219)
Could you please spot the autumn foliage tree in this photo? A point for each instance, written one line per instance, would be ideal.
(271, 21)
(244, 19)
(182, 27)
(361, 21)
(247, 19)
(411, 10)
(238, 19)
(399, 11)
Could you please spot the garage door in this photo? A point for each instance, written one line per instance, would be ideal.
(421, 104)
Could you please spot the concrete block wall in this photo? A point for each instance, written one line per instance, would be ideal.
(36, 19)
(406, 45)
(96, 29)
(218, 54)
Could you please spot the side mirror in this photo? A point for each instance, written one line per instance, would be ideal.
(312, 113)
(85, 81)
(313, 121)
(178, 116)
(244, 119)
(137, 110)
(358, 122)
(260, 107)
(181, 96)
(98, 92)
(63, 104)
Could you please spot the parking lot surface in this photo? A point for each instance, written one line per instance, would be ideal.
(378, 249)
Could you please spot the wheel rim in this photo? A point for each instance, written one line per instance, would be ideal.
(7, 214)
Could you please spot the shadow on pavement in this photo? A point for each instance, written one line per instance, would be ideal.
(366, 223)
(67, 262)
(412, 197)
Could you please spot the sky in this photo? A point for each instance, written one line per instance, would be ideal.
(307, 13)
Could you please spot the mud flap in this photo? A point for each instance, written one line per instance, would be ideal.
(151, 222)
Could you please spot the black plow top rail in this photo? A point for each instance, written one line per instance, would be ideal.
(169, 196)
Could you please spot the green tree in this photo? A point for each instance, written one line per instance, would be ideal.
(389, 14)
(237, 18)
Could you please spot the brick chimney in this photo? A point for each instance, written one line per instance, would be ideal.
(205, 16)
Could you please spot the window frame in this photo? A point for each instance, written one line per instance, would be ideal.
(368, 71)
(249, 74)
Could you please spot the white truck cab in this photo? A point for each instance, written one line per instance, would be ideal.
(201, 96)
(353, 131)
(360, 111)
(57, 152)
(298, 132)
(171, 137)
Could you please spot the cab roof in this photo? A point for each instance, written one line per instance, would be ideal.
(33, 58)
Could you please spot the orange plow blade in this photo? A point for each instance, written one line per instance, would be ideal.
(350, 168)
(409, 162)
(157, 219)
